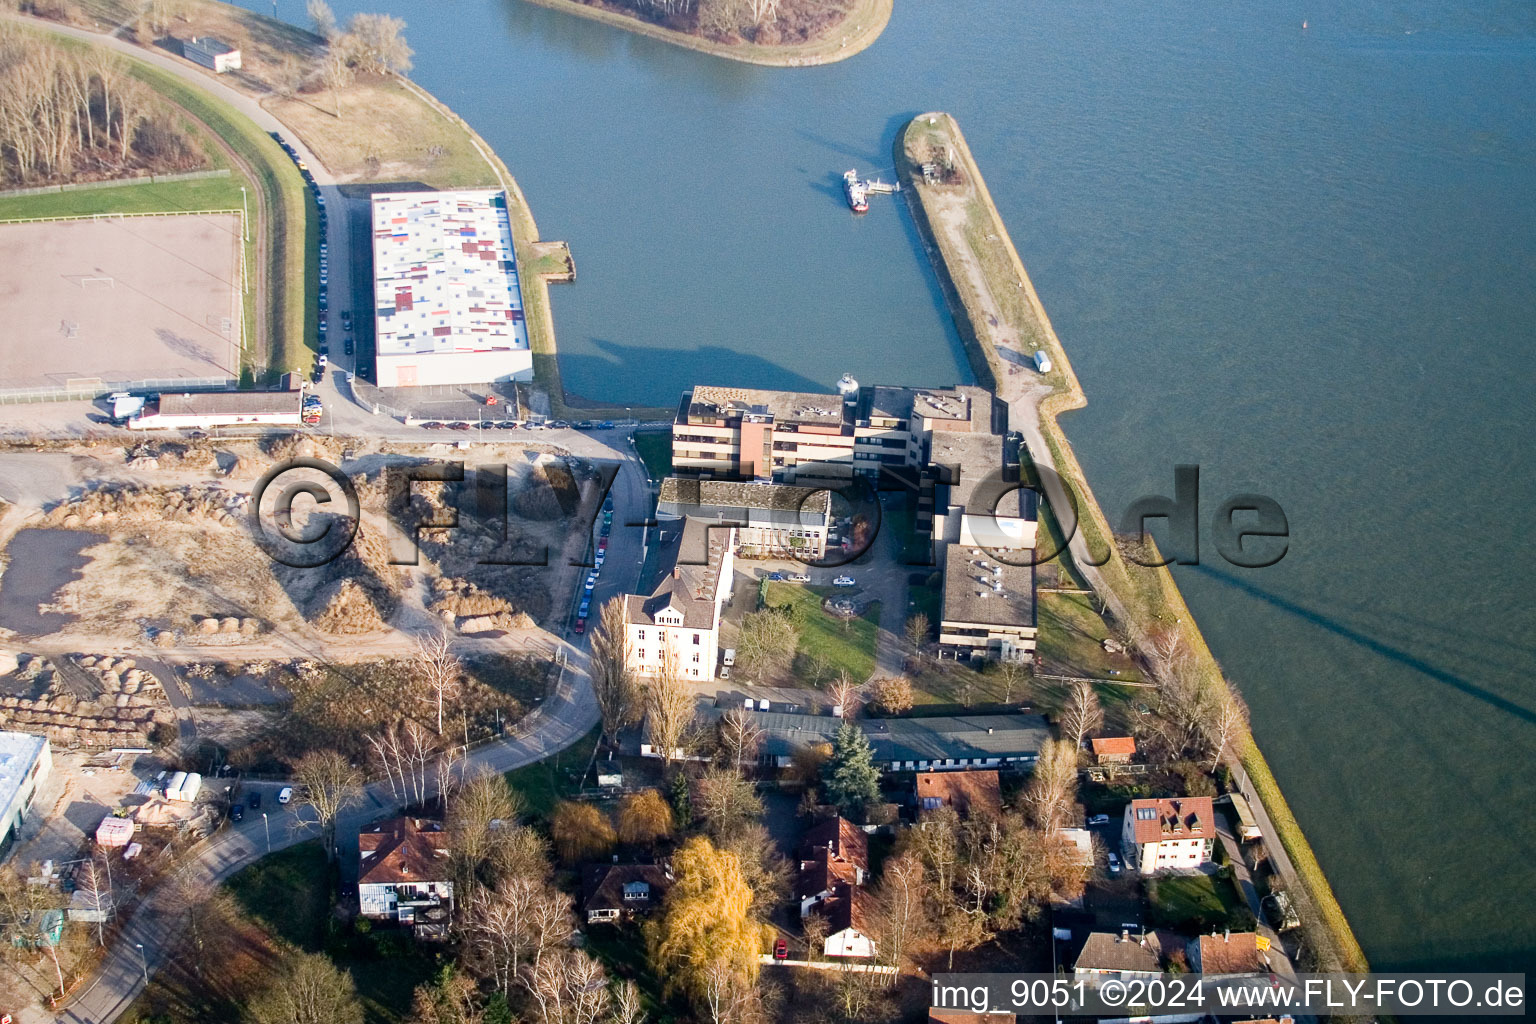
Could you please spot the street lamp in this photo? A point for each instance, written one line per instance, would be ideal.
(245, 234)
(269, 830)
(143, 964)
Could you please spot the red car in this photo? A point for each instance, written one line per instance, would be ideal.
(602, 543)
(781, 950)
(581, 625)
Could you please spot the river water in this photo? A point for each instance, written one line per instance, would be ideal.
(1302, 259)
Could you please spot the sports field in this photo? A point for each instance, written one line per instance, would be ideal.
(120, 299)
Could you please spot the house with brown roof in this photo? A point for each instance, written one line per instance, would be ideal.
(614, 892)
(974, 793)
(403, 874)
(1125, 956)
(833, 866)
(1113, 749)
(1174, 834)
(1230, 953)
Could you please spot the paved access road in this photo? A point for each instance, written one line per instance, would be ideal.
(560, 721)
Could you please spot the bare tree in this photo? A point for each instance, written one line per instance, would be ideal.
(669, 709)
(1053, 785)
(1226, 721)
(328, 784)
(336, 72)
(917, 629)
(740, 736)
(627, 1005)
(766, 642)
(322, 18)
(847, 696)
(613, 682)
(901, 912)
(568, 987)
(309, 989)
(1011, 674)
(405, 753)
(439, 669)
(1082, 714)
(482, 812)
(377, 44)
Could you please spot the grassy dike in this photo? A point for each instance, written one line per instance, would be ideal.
(860, 28)
(962, 228)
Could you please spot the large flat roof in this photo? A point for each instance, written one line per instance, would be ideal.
(445, 274)
(780, 406)
(980, 589)
(18, 751)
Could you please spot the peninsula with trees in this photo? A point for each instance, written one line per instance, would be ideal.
(777, 33)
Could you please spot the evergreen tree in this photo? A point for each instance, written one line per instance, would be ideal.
(850, 778)
(682, 809)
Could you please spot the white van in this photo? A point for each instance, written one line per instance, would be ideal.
(729, 658)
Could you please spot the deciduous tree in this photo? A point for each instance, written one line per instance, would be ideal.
(581, 832)
(892, 695)
(644, 817)
(439, 670)
(1053, 786)
(669, 709)
(708, 930)
(308, 989)
(377, 44)
(613, 683)
(726, 802)
(1082, 714)
(739, 736)
(766, 642)
(327, 784)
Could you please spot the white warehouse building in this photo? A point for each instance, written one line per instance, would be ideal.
(25, 761)
(448, 306)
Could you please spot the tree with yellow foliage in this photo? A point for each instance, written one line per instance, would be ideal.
(707, 943)
(644, 817)
(581, 832)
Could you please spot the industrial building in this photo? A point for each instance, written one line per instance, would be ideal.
(209, 409)
(448, 306)
(211, 53)
(25, 761)
(771, 520)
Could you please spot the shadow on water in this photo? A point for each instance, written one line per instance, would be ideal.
(596, 42)
(1372, 644)
(727, 367)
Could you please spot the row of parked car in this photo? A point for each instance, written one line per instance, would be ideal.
(322, 325)
(585, 608)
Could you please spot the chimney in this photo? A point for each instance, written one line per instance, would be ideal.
(1125, 935)
(677, 572)
(1226, 936)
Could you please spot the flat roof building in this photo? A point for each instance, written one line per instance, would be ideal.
(448, 306)
(772, 520)
(25, 761)
(211, 53)
(202, 410)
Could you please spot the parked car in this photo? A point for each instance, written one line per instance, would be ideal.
(1099, 819)
(602, 543)
(799, 577)
(780, 949)
(844, 581)
(581, 624)
(461, 425)
(586, 606)
(775, 576)
(583, 424)
(254, 800)
(347, 346)
(1114, 863)
(237, 813)
(431, 425)
(605, 425)
(558, 425)
(285, 794)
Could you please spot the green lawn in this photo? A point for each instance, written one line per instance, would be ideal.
(145, 197)
(544, 783)
(1071, 640)
(655, 448)
(848, 646)
(1197, 903)
(289, 895)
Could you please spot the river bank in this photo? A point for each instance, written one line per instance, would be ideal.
(855, 33)
(1003, 322)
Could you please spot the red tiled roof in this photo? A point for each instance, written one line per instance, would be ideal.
(1186, 817)
(1234, 953)
(403, 850)
(1114, 745)
(967, 792)
(841, 837)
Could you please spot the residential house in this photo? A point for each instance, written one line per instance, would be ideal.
(679, 622)
(1168, 834)
(404, 875)
(1230, 953)
(1113, 749)
(614, 892)
(833, 867)
(973, 793)
(771, 520)
(1123, 957)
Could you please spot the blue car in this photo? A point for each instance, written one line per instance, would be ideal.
(775, 576)
(586, 606)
